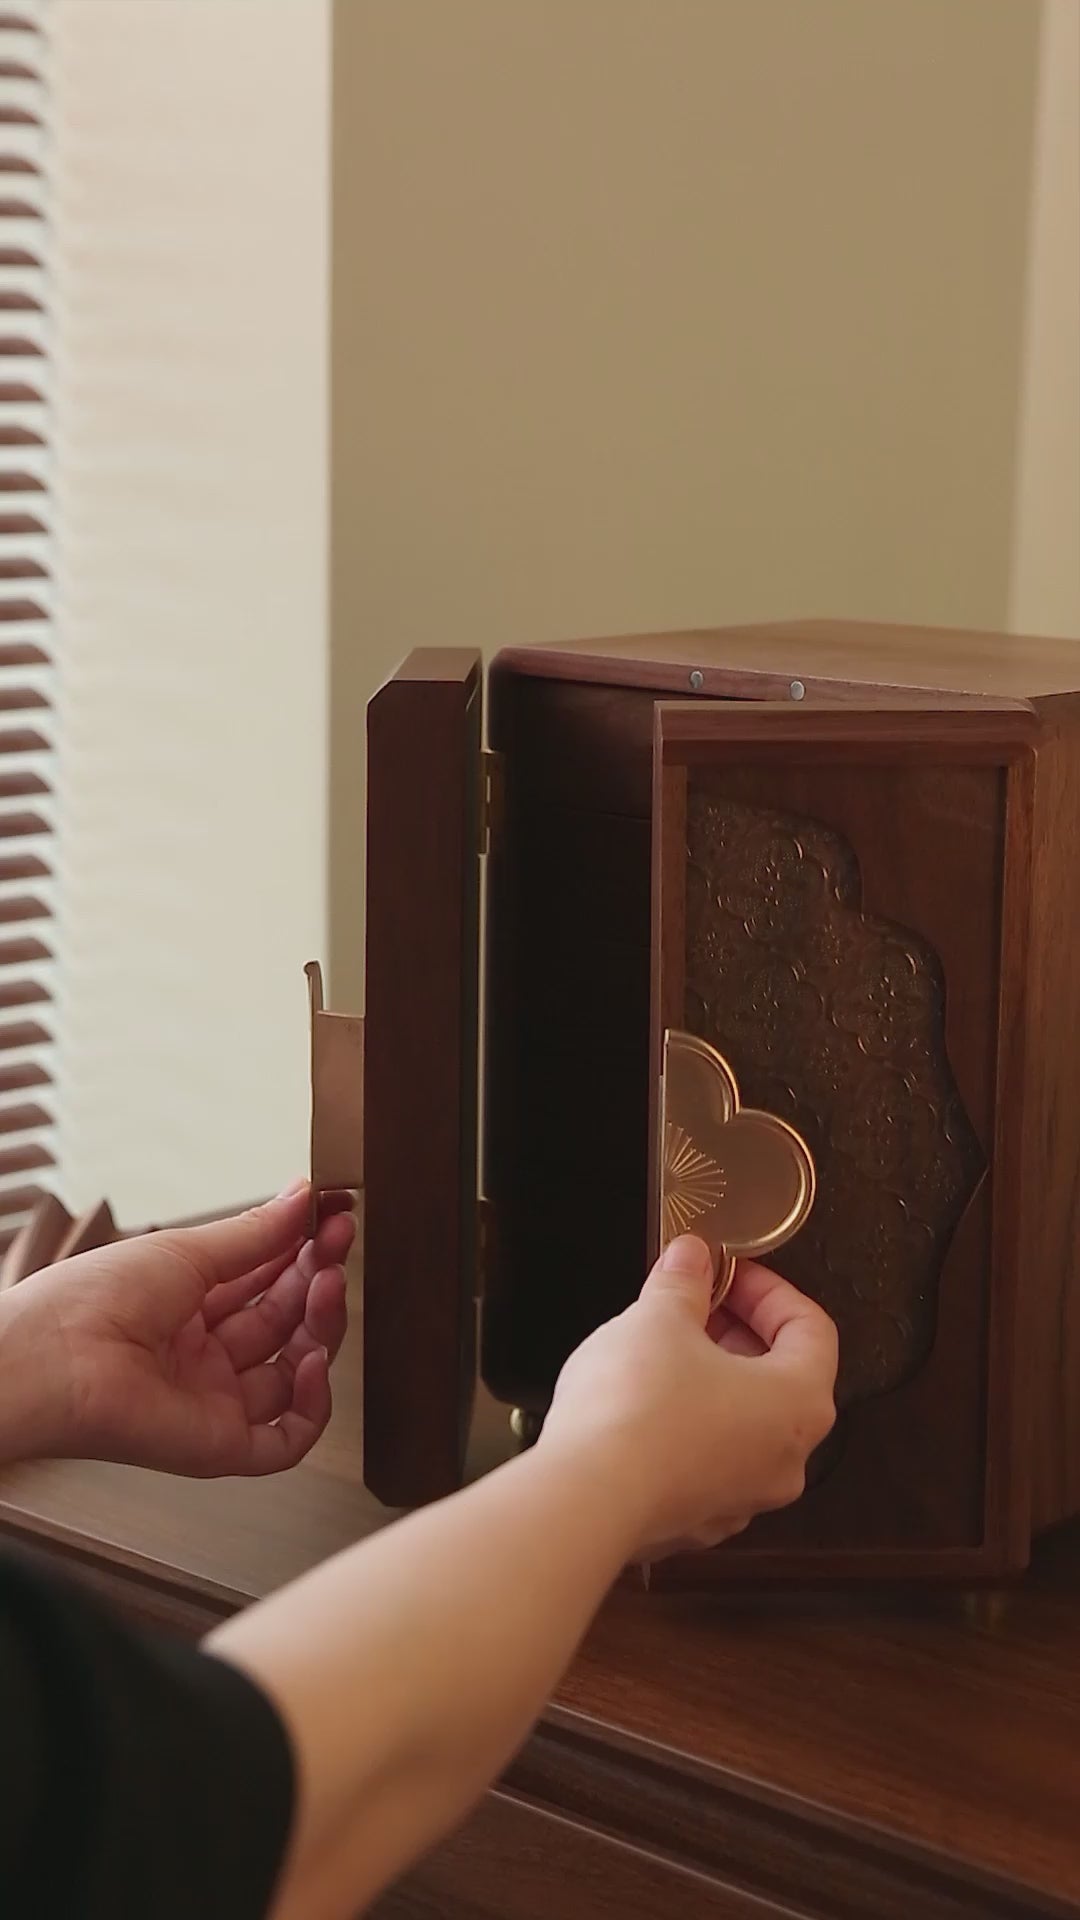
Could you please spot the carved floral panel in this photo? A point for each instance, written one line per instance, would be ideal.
(835, 1020)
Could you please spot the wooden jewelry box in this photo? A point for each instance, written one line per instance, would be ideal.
(848, 858)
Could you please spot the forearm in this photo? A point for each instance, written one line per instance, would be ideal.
(409, 1669)
(33, 1392)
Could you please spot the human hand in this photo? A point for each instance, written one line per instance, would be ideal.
(698, 1424)
(201, 1350)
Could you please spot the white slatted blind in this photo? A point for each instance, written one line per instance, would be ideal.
(26, 607)
(189, 198)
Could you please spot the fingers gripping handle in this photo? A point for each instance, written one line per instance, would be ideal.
(741, 1180)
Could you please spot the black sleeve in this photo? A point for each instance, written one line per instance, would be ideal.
(139, 1779)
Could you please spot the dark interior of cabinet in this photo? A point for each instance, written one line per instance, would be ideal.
(566, 1083)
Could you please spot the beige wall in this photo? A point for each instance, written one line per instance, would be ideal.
(644, 311)
(662, 311)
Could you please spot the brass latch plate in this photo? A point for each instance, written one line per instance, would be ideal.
(337, 1096)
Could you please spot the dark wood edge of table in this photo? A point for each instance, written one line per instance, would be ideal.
(752, 1833)
(726, 1825)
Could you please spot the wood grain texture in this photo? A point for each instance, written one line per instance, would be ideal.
(938, 1732)
(837, 1756)
(1015, 1303)
(846, 1757)
(770, 1846)
(571, 1063)
(933, 1474)
(839, 659)
(1049, 975)
(420, 1074)
(499, 1867)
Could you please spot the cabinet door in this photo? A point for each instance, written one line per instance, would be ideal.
(841, 902)
(420, 1074)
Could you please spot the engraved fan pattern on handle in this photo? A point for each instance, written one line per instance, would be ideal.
(693, 1183)
(835, 1019)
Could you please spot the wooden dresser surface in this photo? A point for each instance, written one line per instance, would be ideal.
(814, 1757)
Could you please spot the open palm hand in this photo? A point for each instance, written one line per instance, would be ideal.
(200, 1351)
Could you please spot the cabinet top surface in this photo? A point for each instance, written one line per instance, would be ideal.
(835, 655)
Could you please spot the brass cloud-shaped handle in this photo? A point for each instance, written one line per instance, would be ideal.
(742, 1180)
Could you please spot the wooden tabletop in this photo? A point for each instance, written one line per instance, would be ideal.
(945, 1728)
(951, 1723)
(234, 1540)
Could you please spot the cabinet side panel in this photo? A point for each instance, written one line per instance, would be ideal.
(420, 1077)
(1051, 1206)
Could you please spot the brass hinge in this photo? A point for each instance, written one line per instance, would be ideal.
(485, 1245)
(337, 1097)
(491, 799)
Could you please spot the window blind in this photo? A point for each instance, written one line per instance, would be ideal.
(190, 474)
(26, 609)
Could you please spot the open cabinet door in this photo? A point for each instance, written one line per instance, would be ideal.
(420, 1075)
(841, 907)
